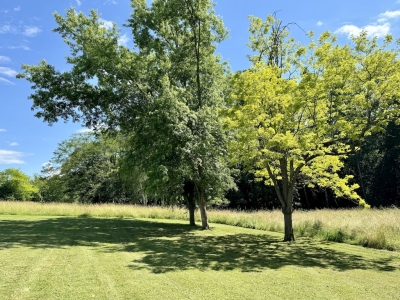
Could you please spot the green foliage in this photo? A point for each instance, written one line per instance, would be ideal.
(15, 185)
(300, 111)
(164, 95)
(85, 169)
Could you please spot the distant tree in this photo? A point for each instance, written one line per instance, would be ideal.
(302, 110)
(15, 185)
(87, 171)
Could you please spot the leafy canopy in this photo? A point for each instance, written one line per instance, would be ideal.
(300, 110)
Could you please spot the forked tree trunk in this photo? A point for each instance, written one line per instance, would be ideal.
(284, 190)
(203, 209)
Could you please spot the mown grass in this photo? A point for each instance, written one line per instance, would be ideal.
(125, 258)
(374, 228)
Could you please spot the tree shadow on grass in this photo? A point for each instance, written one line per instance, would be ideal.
(167, 247)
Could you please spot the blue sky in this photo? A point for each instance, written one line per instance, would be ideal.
(26, 37)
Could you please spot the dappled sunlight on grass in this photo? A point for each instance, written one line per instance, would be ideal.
(375, 228)
(119, 257)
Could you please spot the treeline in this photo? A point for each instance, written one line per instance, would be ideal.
(92, 169)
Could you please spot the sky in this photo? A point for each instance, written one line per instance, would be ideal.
(26, 37)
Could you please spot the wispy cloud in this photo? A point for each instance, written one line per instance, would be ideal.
(31, 31)
(18, 8)
(2, 130)
(23, 47)
(111, 2)
(106, 24)
(7, 29)
(78, 2)
(5, 81)
(320, 23)
(372, 30)
(8, 72)
(4, 59)
(8, 157)
(383, 17)
(123, 40)
(14, 144)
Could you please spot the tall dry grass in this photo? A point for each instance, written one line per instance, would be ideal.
(375, 228)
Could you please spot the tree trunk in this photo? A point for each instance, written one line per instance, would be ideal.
(289, 236)
(203, 210)
(191, 207)
(188, 190)
(326, 199)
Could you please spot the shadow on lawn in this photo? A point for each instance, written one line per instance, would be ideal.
(170, 247)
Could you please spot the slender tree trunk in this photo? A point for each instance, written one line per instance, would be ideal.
(203, 210)
(189, 188)
(305, 193)
(191, 207)
(361, 180)
(326, 199)
(289, 236)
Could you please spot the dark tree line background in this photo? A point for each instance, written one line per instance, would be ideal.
(91, 169)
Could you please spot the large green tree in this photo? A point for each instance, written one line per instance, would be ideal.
(300, 110)
(165, 93)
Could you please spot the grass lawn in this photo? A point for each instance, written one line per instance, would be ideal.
(123, 258)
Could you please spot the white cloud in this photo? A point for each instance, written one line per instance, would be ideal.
(383, 17)
(11, 157)
(7, 29)
(14, 144)
(18, 8)
(8, 72)
(31, 31)
(372, 30)
(3, 80)
(2, 130)
(111, 2)
(4, 59)
(78, 2)
(320, 23)
(123, 40)
(84, 130)
(106, 24)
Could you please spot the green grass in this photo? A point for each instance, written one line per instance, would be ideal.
(374, 228)
(123, 258)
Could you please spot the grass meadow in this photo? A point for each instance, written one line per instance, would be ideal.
(80, 257)
(373, 228)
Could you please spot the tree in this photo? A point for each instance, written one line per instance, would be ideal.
(299, 111)
(86, 169)
(15, 185)
(180, 141)
(165, 93)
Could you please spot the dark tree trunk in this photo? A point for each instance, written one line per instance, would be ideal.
(326, 199)
(203, 209)
(189, 189)
(192, 207)
(305, 193)
(289, 236)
